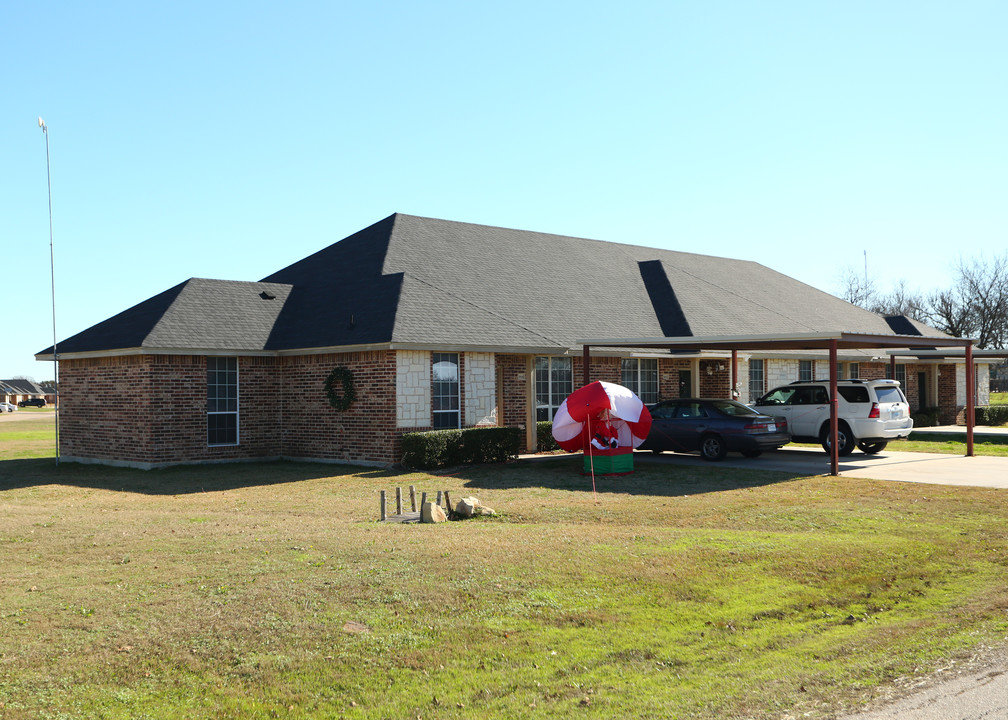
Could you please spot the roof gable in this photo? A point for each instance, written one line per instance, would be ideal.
(198, 314)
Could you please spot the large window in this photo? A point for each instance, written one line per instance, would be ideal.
(756, 379)
(853, 371)
(805, 370)
(445, 391)
(222, 401)
(901, 376)
(641, 376)
(554, 381)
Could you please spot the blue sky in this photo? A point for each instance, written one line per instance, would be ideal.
(227, 140)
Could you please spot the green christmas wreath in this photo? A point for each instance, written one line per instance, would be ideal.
(339, 388)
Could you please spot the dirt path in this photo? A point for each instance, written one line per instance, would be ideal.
(27, 415)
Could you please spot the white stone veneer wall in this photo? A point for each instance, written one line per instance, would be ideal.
(480, 389)
(983, 383)
(413, 388)
(780, 372)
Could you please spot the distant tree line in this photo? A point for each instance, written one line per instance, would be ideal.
(976, 306)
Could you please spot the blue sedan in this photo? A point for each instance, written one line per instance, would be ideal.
(714, 427)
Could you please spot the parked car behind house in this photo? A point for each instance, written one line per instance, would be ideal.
(714, 427)
(870, 413)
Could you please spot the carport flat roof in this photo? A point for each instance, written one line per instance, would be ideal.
(831, 341)
(798, 341)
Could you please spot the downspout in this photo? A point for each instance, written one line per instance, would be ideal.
(734, 376)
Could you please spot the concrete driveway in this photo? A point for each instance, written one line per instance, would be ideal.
(991, 472)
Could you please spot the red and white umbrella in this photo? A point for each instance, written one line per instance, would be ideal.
(575, 420)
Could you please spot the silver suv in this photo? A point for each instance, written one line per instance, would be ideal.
(870, 413)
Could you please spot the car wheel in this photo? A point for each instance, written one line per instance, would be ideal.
(712, 447)
(845, 440)
(870, 448)
(751, 453)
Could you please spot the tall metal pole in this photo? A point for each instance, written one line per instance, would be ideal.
(52, 275)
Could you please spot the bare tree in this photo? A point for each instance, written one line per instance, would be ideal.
(901, 301)
(858, 289)
(975, 306)
(984, 288)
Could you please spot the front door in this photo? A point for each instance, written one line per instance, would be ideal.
(685, 384)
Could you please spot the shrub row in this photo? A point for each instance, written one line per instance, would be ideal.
(991, 415)
(925, 417)
(438, 448)
(544, 436)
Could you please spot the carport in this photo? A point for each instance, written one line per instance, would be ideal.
(830, 341)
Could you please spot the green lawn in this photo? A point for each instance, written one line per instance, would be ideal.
(269, 590)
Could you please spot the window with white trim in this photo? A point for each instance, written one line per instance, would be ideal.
(757, 378)
(445, 391)
(641, 376)
(805, 370)
(554, 381)
(853, 371)
(901, 377)
(222, 401)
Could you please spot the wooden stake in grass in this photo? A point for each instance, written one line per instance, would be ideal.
(382, 503)
(398, 501)
(412, 497)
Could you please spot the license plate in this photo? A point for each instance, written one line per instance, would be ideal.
(896, 414)
(772, 427)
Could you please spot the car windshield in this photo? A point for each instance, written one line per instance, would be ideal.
(730, 407)
(889, 394)
(780, 396)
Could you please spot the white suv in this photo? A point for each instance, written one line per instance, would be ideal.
(870, 413)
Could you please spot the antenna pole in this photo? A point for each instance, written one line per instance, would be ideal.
(52, 274)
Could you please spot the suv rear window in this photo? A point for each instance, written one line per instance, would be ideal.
(889, 394)
(854, 393)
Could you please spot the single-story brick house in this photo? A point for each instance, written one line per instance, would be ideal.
(440, 324)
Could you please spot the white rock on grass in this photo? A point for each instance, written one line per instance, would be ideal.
(432, 513)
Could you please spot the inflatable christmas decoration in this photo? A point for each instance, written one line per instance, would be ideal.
(605, 421)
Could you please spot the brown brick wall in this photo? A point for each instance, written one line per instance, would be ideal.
(151, 409)
(105, 409)
(312, 428)
(511, 373)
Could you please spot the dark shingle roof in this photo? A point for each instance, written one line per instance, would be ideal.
(198, 314)
(21, 386)
(418, 281)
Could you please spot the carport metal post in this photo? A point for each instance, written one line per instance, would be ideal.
(834, 404)
(970, 399)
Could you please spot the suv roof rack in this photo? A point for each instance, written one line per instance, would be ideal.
(860, 381)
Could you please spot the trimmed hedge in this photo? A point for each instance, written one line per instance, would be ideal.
(544, 436)
(439, 448)
(992, 415)
(925, 417)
